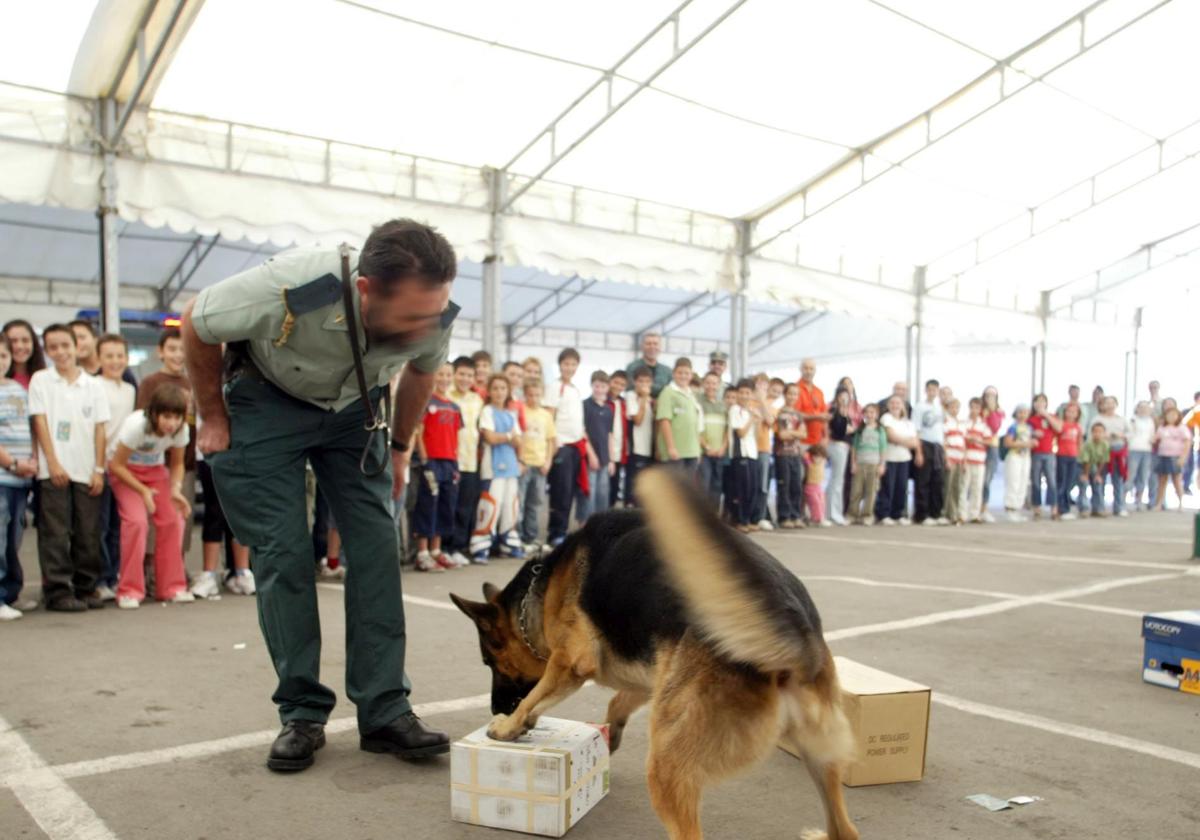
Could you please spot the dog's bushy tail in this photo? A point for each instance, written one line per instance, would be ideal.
(732, 598)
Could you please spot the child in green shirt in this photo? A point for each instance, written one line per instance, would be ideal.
(1093, 457)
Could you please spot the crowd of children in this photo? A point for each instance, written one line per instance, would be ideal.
(109, 468)
(506, 459)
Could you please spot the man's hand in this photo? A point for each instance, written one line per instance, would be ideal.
(214, 434)
(593, 461)
(400, 462)
(612, 468)
(96, 485)
(544, 469)
(58, 476)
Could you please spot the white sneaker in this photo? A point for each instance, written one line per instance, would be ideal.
(929, 522)
(31, 604)
(206, 586)
(338, 573)
(841, 523)
(987, 517)
(765, 525)
(426, 563)
(867, 523)
(1015, 516)
(240, 583)
(182, 597)
(943, 520)
(887, 520)
(459, 559)
(105, 593)
(1067, 517)
(903, 520)
(127, 603)
(825, 523)
(7, 613)
(1123, 513)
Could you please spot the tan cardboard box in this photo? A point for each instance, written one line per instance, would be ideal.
(543, 783)
(890, 716)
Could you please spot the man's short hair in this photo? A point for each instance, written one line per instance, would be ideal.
(166, 335)
(599, 376)
(642, 372)
(683, 362)
(111, 338)
(481, 356)
(87, 325)
(933, 382)
(463, 362)
(62, 328)
(568, 353)
(403, 248)
(745, 382)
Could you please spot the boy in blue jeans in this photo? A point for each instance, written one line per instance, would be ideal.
(437, 495)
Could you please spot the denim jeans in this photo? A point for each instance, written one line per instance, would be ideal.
(710, 477)
(892, 501)
(532, 489)
(1044, 466)
(12, 528)
(989, 472)
(110, 536)
(1097, 485)
(763, 486)
(1140, 475)
(789, 487)
(1067, 476)
(597, 498)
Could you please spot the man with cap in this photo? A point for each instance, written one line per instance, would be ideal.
(651, 346)
(718, 361)
(306, 379)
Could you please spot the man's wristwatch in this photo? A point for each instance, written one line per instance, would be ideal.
(399, 445)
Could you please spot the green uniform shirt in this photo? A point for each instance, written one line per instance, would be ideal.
(681, 408)
(1094, 453)
(290, 309)
(661, 374)
(716, 422)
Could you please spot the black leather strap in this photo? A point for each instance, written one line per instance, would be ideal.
(375, 423)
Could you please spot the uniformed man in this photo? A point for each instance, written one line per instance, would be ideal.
(292, 393)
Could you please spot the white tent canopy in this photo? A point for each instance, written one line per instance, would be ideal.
(1001, 168)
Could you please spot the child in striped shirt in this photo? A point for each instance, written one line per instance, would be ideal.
(976, 435)
(956, 464)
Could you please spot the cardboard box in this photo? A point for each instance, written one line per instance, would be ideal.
(542, 783)
(1171, 657)
(890, 716)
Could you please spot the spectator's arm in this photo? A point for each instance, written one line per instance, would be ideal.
(668, 434)
(119, 467)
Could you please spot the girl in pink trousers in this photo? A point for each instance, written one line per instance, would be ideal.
(144, 488)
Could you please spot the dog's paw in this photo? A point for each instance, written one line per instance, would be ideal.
(502, 728)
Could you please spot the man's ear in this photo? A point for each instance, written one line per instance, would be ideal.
(484, 615)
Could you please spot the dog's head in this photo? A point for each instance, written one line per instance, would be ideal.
(515, 670)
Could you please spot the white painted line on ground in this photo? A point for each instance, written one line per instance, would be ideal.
(1083, 733)
(1056, 534)
(998, 552)
(959, 590)
(408, 599)
(993, 608)
(204, 749)
(57, 809)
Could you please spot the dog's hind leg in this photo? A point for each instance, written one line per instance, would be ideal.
(623, 704)
(819, 731)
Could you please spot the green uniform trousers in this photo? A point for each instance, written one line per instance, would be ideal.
(260, 482)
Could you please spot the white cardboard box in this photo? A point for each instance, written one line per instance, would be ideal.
(543, 783)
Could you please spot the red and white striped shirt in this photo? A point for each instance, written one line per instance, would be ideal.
(955, 440)
(977, 434)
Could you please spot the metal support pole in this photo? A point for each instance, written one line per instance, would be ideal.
(1033, 388)
(1137, 334)
(739, 321)
(110, 305)
(1044, 309)
(918, 330)
(493, 263)
(908, 354)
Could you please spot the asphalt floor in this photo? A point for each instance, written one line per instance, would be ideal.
(155, 724)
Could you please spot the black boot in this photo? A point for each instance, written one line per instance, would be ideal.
(406, 736)
(294, 747)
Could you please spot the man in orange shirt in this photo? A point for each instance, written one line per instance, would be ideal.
(814, 411)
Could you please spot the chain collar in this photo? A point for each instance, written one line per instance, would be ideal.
(522, 614)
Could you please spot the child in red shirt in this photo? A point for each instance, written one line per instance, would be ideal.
(1045, 432)
(1069, 438)
(437, 495)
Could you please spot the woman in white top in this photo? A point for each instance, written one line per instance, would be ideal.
(144, 488)
(1141, 455)
(903, 450)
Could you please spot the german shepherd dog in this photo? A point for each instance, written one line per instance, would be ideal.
(677, 609)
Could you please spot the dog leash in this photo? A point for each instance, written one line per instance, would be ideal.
(376, 423)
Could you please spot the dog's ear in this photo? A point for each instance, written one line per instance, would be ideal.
(491, 593)
(484, 615)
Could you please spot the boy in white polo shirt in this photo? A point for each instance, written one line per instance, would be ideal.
(566, 401)
(69, 410)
